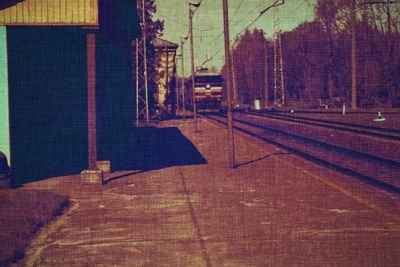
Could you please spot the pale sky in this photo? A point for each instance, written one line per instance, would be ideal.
(208, 23)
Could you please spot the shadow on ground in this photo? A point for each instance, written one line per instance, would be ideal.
(259, 159)
(147, 148)
(133, 149)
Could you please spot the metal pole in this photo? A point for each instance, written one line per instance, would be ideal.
(353, 56)
(183, 79)
(281, 65)
(137, 82)
(193, 71)
(389, 18)
(176, 87)
(234, 80)
(266, 92)
(91, 82)
(231, 145)
(275, 71)
(167, 89)
(145, 61)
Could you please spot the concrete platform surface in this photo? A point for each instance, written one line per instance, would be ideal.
(274, 209)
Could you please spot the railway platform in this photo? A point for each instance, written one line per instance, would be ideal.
(273, 209)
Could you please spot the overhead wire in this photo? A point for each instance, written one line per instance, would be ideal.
(199, 5)
(187, 25)
(295, 9)
(276, 3)
(237, 10)
(231, 18)
(235, 23)
(206, 29)
(252, 22)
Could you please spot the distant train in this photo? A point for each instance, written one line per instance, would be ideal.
(208, 91)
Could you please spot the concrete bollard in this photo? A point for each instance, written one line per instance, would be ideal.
(92, 177)
(344, 109)
(104, 166)
(103, 171)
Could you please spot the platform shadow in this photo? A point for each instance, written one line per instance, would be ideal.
(114, 177)
(259, 159)
(147, 148)
(130, 149)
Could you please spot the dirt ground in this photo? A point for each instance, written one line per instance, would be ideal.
(22, 214)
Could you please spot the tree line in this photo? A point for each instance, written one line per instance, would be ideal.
(317, 55)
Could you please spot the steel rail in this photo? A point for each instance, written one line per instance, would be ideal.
(314, 122)
(360, 176)
(325, 144)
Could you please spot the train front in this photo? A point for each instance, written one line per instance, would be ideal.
(208, 91)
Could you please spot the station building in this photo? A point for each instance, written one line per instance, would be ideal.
(65, 77)
(167, 94)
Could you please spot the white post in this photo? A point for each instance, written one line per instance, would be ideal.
(4, 101)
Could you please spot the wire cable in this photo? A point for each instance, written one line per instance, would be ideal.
(275, 4)
(295, 10)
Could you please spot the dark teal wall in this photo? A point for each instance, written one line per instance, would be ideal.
(48, 101)
(48, 92)
(115, 95)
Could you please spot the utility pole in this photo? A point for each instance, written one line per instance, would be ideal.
(389, 18)
(235, 92)
(183, 75)
(266, 92)
(231, 144)
(170, 101)
(196, 129)
(279, 84)
(353, 56)
(176, 89)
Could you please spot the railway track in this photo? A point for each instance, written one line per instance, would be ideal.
(386, 133)
(360, 139)
(372, 168)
